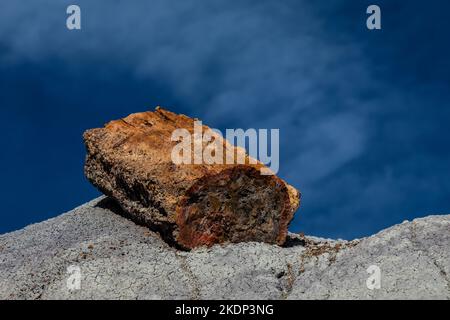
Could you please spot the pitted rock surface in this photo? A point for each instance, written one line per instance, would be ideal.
(118, 259)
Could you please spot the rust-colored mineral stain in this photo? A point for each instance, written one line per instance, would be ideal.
(232, 206)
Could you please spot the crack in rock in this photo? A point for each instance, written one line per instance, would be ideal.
(415, 241)
(287, 279)
(196, 292)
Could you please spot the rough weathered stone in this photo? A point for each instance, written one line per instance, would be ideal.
(190, 204)
(118, 259)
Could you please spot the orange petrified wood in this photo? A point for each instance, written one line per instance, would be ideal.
(189, 204)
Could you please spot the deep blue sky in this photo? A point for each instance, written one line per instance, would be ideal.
(363, 115)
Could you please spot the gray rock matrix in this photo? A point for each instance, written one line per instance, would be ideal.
(118, 259)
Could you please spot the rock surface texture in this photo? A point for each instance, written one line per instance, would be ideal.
(191, 204)
(118, 259)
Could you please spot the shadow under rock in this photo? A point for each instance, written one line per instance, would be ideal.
(111, 204)
(294, 241)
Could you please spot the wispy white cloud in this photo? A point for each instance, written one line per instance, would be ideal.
(237, 65)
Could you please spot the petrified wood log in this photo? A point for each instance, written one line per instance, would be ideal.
(130, 160)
